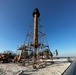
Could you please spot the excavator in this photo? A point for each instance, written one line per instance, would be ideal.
(17, 58)
(23, 54)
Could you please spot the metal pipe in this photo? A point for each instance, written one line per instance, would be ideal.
(35, 31)
(36, 15)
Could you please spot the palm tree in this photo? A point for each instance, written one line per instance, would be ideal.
(51, 54)
(56, 52)
(46, 53)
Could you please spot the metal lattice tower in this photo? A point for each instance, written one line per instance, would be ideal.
(35, 40)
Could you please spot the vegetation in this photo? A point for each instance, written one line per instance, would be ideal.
(51, 54)
(10, 54)
(56, 52)
(25, 54)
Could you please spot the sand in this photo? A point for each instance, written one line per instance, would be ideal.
(15, 69)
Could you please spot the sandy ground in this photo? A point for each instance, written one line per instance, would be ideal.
(15, 69)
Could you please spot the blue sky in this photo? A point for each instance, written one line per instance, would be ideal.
(58, 18)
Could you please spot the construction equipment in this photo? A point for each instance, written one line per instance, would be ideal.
(4, 58)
